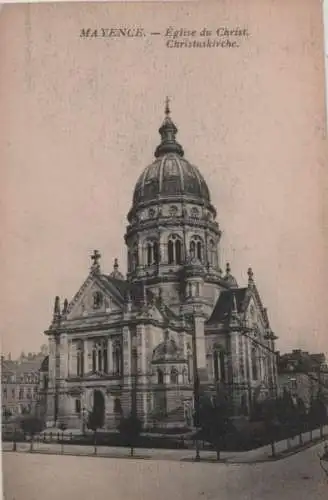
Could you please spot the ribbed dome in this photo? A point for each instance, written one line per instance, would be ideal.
(170, 175)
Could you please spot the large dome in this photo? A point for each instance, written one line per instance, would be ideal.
(170, 175)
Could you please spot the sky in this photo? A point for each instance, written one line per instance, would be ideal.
(80, 123)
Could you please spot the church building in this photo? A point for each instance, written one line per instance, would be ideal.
(174, 323)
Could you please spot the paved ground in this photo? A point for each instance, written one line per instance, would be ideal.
(52, 477)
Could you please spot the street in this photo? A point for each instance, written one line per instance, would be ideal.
(38, 476)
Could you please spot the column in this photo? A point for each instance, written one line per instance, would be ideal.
(110, 355)
(63, 357)
(52, 361)
(127, 349)
(200, 347)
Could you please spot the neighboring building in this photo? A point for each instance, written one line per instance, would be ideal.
(138, 341)
(304, 375)
(20, 381)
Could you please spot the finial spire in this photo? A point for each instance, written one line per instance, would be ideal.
(116, 273)
(250, 276)
(167, 106)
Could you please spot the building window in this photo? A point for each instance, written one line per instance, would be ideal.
(117, 359)
(190, 366)
(174, 377)
(21, 393)
(94, 359)
(216, 366)
(97, 300)
(254, 364)
(105, 355)
(100, 357)
(152, 253)
(196, 248)
(80, 362)
(212, 253)
(78, 406)
(173, 211)
(194, 213)
(160, 377)
(4, 393)
(174, 250)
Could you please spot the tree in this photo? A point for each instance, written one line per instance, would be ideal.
(130, 427)
(286, 415)
(32, 425)
(95, 422)
(301, 417)
(318, 413)
(269, 415)
(215, 422)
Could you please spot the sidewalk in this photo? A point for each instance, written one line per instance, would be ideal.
(263, 454)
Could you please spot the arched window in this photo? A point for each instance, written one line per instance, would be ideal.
(100, 358)
(174, 376)
(170, 252)
(192, 249)
(222, 366)
(149, 254)
(79, 359)
(94, 359)
(254, 364)
(105, 355)
(199, 251)
(174, 250)
(152, 252)
(211, 253)
(194, 213)
(117, 359)
(196, 248)
(216, 366)
(190, 364)
(178, 252)
(173, 211)
(160, 377)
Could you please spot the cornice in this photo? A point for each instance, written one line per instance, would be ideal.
(174, 223)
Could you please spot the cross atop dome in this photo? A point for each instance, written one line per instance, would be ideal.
(167, 106)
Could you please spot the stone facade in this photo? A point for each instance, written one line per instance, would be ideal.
(20, 383)
(139, 341)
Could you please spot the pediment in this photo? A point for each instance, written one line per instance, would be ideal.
(254, 310)
(94, 298)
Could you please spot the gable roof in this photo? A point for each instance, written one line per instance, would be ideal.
(223, 308)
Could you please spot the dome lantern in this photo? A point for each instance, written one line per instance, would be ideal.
(168, 131)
